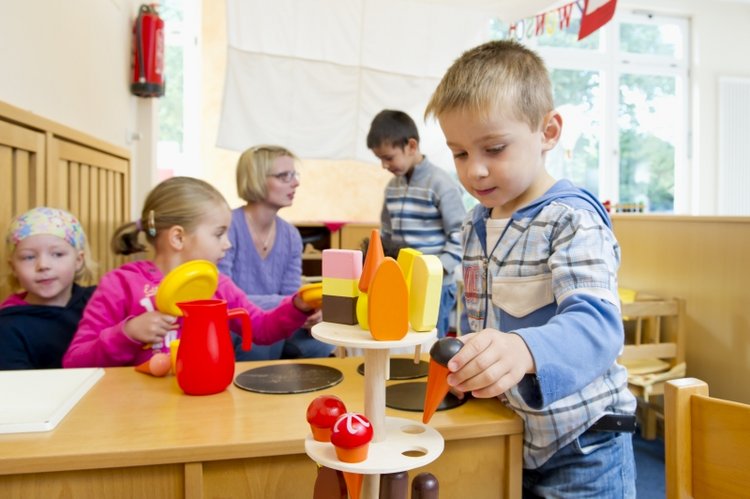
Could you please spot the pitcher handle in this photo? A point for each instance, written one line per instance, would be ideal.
(247, 326)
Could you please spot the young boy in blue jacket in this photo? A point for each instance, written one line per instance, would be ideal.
(540, 274)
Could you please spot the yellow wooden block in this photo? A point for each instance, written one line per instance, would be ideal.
(361, 311)
(388, 302)
(334, 286)
(424, 295)
(405, 260)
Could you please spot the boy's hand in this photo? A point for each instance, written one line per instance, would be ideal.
(150, 327)
(489, 363)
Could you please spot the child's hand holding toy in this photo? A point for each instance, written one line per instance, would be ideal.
(311, 295)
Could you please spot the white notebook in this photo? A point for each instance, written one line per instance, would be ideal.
(37, 400)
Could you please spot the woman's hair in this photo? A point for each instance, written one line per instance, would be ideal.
(55, 222)
(253, 167)
(176, 201)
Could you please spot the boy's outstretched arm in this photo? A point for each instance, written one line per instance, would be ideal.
(490, 363)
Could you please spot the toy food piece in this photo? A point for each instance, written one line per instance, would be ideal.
(158, 365)
(312, 294)
(351, 435)
(322, 413)
(353, 484)
(425, 486)
(437, 374)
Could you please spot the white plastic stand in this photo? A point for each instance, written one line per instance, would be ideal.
(398, 444)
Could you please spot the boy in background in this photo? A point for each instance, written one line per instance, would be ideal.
(423, 208)
(540, 271)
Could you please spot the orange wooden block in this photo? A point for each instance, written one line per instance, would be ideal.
(375, 256)
(388, 303)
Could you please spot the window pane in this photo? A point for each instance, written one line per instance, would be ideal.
(568, 38)
(576, 157)
(649, 121)
(651, 39)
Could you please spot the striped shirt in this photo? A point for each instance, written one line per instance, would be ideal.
(425, 213)
(551, 278)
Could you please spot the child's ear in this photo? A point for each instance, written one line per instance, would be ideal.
(176, 237)
(79, 261)
(551, 130)
(412, 146)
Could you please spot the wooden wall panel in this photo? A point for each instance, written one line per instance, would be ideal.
(46, 163)
(704, 261)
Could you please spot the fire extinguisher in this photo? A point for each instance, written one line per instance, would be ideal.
(148, 53)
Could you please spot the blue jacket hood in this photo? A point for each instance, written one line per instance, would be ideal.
(576, 197)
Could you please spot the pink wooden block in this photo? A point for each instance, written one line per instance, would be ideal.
(342, 263)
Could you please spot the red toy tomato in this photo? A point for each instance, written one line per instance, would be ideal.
(322, 414)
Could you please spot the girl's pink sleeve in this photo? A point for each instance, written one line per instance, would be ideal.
(269, 326)
(100, 340)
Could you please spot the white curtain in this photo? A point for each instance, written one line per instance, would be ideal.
(311, 74)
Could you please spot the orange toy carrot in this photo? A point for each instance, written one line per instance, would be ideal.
(437, 375)
(375, 256)
(353, 484)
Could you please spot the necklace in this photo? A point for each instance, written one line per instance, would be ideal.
(256, 237)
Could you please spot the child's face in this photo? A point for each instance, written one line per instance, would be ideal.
(45, 266)
(500, 160)
(209, 240)
(279, 192)
(396, 160)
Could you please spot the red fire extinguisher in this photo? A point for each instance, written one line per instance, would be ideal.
(148, 53)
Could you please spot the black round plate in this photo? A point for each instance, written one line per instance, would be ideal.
(403, 369)
(288, 378)
(410, 397)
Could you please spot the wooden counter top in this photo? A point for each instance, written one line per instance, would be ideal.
(131, 419)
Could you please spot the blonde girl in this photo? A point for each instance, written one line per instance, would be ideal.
(183, 219)
(47, 256)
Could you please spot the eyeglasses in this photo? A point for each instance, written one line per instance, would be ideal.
(285, 177)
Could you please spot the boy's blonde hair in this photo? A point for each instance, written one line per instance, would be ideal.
(253, 167)
(502, 75)
(176, 201)
(55, 222)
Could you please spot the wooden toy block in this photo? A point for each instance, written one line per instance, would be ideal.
(339, 309)
(437, 375)
(425, 486)
(405, 260)
(336, 286)
(361, 311)
(424, 294)
(394, 485)
(375, 256)
(388, 302)
(342, 263)
(330, 484)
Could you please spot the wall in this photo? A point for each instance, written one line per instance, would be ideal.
(719, 29)
(702, 260)
(70, 62)
(329, 190)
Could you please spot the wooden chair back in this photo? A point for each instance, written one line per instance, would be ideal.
(707, 442)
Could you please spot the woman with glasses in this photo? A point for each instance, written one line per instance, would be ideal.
(266, 255)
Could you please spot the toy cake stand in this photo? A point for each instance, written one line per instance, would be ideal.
(398, 444)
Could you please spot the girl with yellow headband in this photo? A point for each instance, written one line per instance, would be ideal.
(47, 255)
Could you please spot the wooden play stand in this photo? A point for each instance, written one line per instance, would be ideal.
(398, 444)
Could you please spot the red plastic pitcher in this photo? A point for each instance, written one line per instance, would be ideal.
(205, 359)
